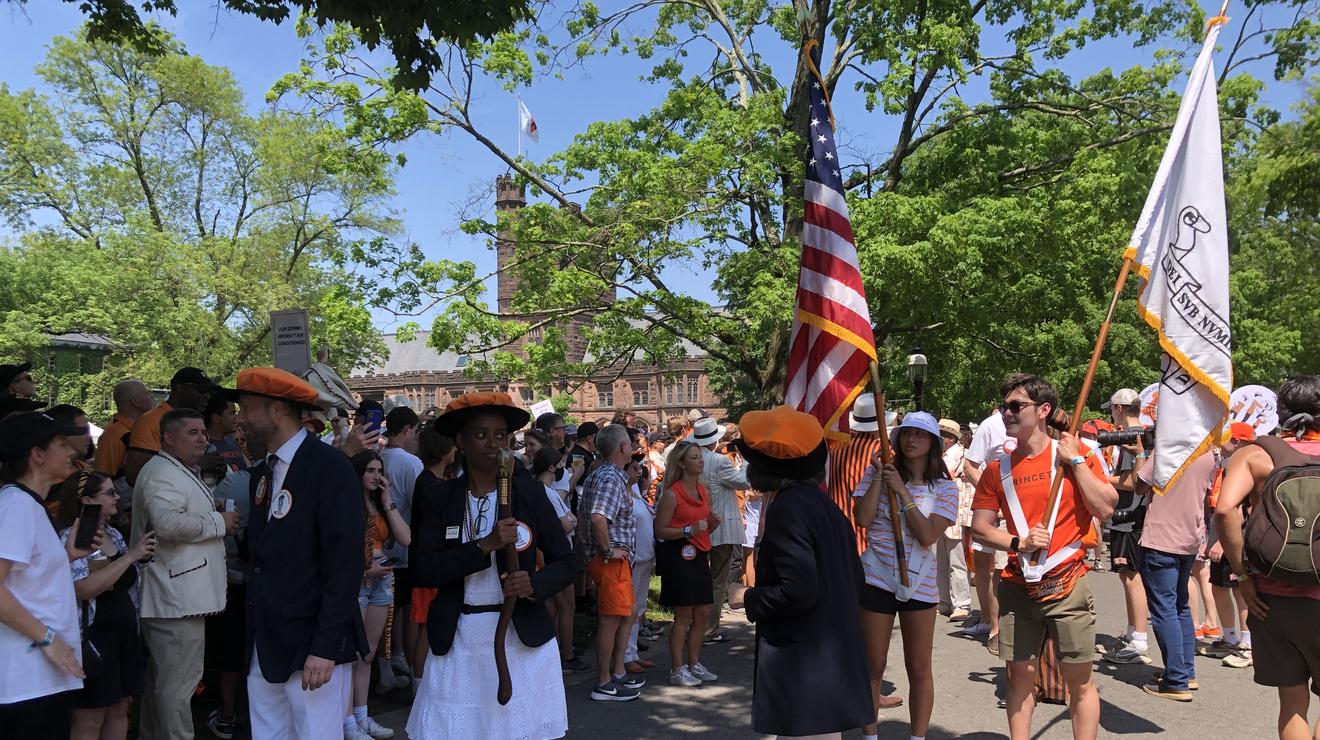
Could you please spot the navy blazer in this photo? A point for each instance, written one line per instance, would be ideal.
(806, 606)
(305, 570)
(442, 562)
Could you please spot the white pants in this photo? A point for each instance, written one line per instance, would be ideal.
(284, 711)
(641, 577)
(954, 589)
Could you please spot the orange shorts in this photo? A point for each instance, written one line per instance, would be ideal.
(421, 603)
(614, 587)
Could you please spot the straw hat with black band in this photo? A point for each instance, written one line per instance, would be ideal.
(706, 432)
(782, 442)
(863, 417)
(468, 405)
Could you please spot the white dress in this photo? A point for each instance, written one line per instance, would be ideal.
(456, 698)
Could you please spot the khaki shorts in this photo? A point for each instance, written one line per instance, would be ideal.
(1286, 644)
(1024, 623)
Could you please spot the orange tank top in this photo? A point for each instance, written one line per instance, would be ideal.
(690, 510)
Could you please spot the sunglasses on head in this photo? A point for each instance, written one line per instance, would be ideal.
(1016, 406)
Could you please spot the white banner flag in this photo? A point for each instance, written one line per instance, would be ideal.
(1180, 248)
(526, 123)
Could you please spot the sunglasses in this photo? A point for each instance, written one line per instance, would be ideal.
(1016, 406)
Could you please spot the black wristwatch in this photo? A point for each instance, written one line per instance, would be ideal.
(1013, 544)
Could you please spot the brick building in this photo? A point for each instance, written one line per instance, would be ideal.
(417, 375)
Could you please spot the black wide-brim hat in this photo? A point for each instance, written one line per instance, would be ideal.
(782, 442)
(468, 405)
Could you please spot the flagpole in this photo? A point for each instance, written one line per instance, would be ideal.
(517, 103)
(886, 454)
(1075, 422)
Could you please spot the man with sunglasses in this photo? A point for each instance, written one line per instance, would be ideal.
(190, 388)
(1042, 591)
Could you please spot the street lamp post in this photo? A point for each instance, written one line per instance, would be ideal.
(916, 372)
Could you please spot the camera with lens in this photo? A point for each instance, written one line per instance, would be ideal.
(1127, 437)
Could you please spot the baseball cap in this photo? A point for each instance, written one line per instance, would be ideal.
(9, 372)
(192, 376)
(1242, 431)
(695, 414)
(587, 429)
(22, 432)
(1122, 397)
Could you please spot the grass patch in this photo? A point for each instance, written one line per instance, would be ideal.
(653, 608)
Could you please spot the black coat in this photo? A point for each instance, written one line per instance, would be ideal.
(811, 674)
(305, 570)
(442, 562)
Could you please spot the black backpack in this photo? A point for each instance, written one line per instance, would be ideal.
(1283, 530)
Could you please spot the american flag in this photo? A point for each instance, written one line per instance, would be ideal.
(832, 344)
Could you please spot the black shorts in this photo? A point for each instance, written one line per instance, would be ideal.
(684, 580)
(116, 668)
(403, 589)
(881, 601)
(1125, 545)
(224, 633)
(1221, 574)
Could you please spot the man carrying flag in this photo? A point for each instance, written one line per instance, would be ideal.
(1180, 247)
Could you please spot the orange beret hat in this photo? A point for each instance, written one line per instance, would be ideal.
(468, 405)
(271, 382)
(783, 441)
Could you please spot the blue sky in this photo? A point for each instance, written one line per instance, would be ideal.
(445, 172)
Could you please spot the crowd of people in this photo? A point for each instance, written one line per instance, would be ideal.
(289, 546)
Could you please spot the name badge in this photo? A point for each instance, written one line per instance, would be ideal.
(451, 533)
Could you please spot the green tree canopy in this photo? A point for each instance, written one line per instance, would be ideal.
(150, 207)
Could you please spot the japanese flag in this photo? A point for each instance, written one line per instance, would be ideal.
(527, 123)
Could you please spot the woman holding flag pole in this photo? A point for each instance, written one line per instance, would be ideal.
(928, 501)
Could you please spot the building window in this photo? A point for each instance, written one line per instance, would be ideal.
(692, 391)
(462, 361)
(526, 393)
(671, 392)
(605, 398)
(641, 396)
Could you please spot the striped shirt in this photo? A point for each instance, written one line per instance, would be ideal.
(848, 463)
(937, 498)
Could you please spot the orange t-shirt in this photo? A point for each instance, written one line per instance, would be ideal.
(146, 430)
(111, 447)
(1031, 480)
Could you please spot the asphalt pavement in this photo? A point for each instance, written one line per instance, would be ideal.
(1228, 705)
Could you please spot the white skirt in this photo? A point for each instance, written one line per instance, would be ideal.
(457, 696)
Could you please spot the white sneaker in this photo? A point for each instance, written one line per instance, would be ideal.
(976, 630)
(391, 682)
(683, 677)
(353, 732)
(700, 673)
(375, 729)
(1129, 653)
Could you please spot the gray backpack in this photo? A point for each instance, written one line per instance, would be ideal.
(1283, 530)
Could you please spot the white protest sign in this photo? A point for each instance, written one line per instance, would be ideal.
(291, 346)
(541, 407)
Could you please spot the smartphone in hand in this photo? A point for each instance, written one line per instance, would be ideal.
(89, 520)
(374, 419)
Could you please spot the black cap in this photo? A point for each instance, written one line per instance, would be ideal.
(9, 372)
(22, 432)
(587, 429)
(11, 403)
(192, 376)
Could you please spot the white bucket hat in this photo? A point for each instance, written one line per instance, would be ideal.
(706, 432)
(863, 418)
(917, 420)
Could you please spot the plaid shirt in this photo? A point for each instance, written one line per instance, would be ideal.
(605, 492)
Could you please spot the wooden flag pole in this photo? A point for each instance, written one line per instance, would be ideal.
(1076, 419)
(887, 454)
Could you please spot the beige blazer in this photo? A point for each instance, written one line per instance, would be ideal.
(187, 576)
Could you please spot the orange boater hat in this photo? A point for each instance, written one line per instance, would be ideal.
(782, 442)
(271, 382)
(468, 405)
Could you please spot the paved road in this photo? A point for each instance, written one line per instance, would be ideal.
(966, 682)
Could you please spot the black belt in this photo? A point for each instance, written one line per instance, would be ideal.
(481, 608)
